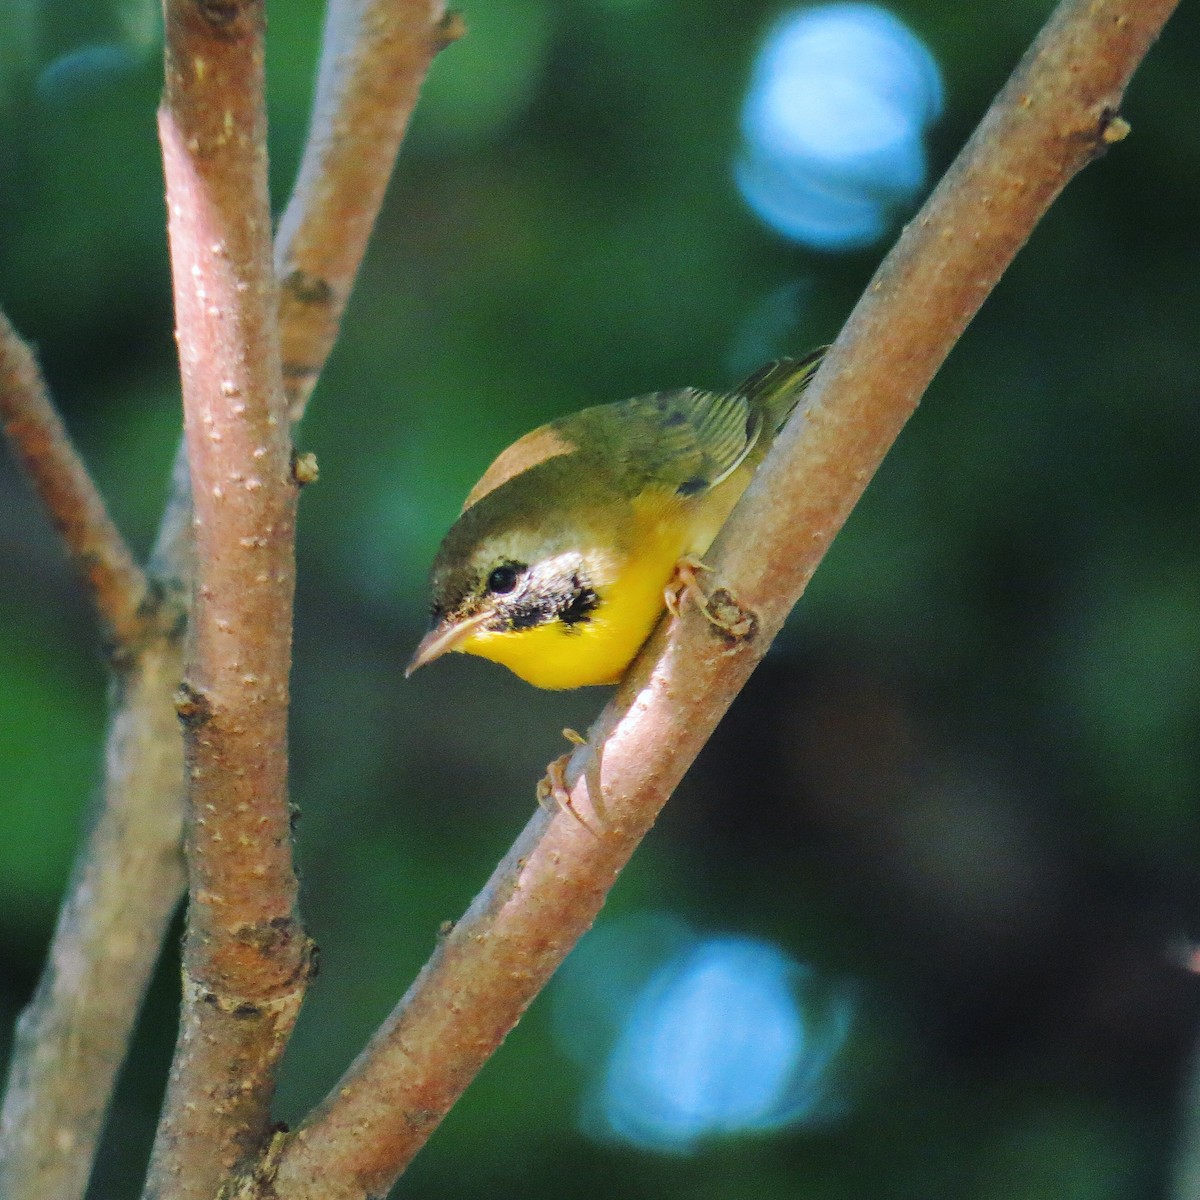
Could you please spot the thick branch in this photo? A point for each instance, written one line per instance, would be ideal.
(1055, 116)
(40, 441)
(374, 59)
(246, 958)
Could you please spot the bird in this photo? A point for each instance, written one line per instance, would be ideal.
(578, 537)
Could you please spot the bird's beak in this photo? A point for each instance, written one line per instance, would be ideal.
(443, 638)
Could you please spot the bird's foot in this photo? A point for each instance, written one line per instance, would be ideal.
(720, 608)
(554, 794)
(685, 585)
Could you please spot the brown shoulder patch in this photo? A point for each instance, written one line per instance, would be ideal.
(542, 444)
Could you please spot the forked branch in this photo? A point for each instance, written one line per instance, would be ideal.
(71, 1038)
(73, 1035)
(246, 955)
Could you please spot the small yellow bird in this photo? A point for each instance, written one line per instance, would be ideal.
(563, 557)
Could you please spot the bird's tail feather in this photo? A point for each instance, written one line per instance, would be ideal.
(775, 389)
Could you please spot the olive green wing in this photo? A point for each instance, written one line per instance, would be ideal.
(686, 439)
(692, 440)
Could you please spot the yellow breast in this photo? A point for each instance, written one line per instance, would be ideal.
(598, 651)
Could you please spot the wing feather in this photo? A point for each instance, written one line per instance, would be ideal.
(687, 439)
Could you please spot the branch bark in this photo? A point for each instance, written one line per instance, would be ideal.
(1057, 113)
(376, 55)
(246, 959)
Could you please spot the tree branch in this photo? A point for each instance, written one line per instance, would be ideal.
(246, 958)
(1055, 115)
(39, 439)
(376, 54)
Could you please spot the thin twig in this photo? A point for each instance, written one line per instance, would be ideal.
(38, 437)
(1055, 116)
(376, 54)
(246, 958)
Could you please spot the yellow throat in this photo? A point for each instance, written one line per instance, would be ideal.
(598, 651)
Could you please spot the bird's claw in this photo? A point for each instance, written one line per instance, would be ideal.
(685, 583)
(553, 793)
(720, 608)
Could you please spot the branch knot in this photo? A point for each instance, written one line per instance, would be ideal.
(192, 706)
(224, 17)
(730, 619)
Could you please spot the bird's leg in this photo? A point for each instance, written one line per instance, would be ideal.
(553, 793)
(591, 779)
(684, 583)
(720, 609)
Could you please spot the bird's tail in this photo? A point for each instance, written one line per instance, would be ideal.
(775, 390)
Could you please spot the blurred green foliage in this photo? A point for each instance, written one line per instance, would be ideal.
(967, 778)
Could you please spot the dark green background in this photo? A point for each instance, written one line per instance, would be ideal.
(966, 779)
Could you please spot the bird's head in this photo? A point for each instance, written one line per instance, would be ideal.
(507, 566)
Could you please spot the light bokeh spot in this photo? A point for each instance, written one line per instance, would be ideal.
(688, 1038)
(834, 122)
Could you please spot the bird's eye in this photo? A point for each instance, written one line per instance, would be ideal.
(503, 579)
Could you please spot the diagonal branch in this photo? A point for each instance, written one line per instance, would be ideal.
(376, 54)
(1055, 115)
(39, 439)
(246, 959)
